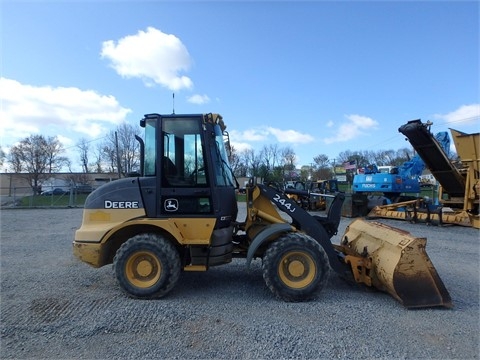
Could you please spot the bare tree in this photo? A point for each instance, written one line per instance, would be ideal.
(98, 154)
(270, 155)
(383, 157)
(2, 156)
(289, 159)
(321, 161)
(84, 147)
(356, 156)
(121, 148)
(402, 155)
(54, 159)
(252, 162)
(36, 156)
(238, 168)
(109, 156)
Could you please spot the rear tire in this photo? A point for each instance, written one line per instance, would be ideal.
(295, 267)
(147, 266)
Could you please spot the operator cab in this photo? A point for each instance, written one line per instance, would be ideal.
(185, 168)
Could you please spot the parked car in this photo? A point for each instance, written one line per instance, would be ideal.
(56, 191)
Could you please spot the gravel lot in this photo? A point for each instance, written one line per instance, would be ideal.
(55, 307)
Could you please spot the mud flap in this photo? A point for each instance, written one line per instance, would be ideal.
(394, 261)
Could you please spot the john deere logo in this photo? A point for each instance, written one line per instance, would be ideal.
(171, 205)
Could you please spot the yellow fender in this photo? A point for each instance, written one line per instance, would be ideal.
(394, 261)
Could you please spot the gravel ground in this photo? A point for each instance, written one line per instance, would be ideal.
(55, 307)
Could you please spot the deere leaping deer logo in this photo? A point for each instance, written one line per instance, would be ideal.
(171, 205)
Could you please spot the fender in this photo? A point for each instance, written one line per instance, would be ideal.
(309, 224)
(262, 236)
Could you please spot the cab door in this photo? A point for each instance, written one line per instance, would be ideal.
(185, 184)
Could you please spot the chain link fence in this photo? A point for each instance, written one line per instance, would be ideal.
(26, 197)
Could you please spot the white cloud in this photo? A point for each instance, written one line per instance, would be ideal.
(330, 123)
(66, 141)
(362, 122)
(356, 125)
(198, 99)
(290, 136)
(466, 114)
(249, 135)
(152, 56)
(262, 134)
(55, 111)
(241, 146)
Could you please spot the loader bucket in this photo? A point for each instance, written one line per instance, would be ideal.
(394, 261)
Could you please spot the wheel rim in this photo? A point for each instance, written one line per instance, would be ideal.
(297, 269)
(143, 269)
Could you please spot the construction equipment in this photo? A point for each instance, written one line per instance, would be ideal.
(459, 187)
(394, 183)
(181, 215)
(310, 195)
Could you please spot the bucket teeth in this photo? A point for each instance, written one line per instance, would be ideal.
(394, 261)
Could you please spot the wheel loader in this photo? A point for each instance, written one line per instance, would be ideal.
(180, 214)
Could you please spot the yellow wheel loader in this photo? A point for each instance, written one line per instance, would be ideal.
(180, 214)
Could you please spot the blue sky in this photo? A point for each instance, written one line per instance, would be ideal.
(320, 77)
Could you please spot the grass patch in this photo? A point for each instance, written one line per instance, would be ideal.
(53, 200)
(241, 197)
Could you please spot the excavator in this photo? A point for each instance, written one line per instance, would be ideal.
(180, 214)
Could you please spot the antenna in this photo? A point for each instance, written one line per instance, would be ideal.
(173, 101)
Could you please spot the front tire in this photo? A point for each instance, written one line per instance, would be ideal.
(147, 266)
(295, 267)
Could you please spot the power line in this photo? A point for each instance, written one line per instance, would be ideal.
(469, 119)
(87, 142)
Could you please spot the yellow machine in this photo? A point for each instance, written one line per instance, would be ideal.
(312, 194)
(180, 214)
(459, 190)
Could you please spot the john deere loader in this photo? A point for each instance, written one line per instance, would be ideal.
(180, 214)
